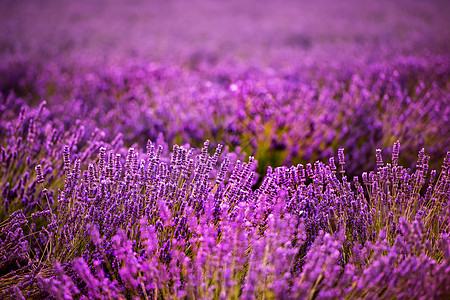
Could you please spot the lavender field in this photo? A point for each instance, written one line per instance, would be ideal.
(224, 149)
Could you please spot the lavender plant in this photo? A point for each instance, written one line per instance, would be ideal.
(186, 226)
(285, 118)
(224, 150)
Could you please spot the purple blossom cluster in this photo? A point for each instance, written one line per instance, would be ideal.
(281, 118)
(224, 150)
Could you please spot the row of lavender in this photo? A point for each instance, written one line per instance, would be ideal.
(283, 117)
(82, 216)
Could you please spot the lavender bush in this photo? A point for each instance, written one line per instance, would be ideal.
(190, 225)
(224, 150)
(282, 119)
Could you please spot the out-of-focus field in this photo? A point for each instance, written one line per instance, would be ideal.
(289, 81)
(259, 32)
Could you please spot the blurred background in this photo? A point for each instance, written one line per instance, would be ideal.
(260, 32)
(288, 81)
